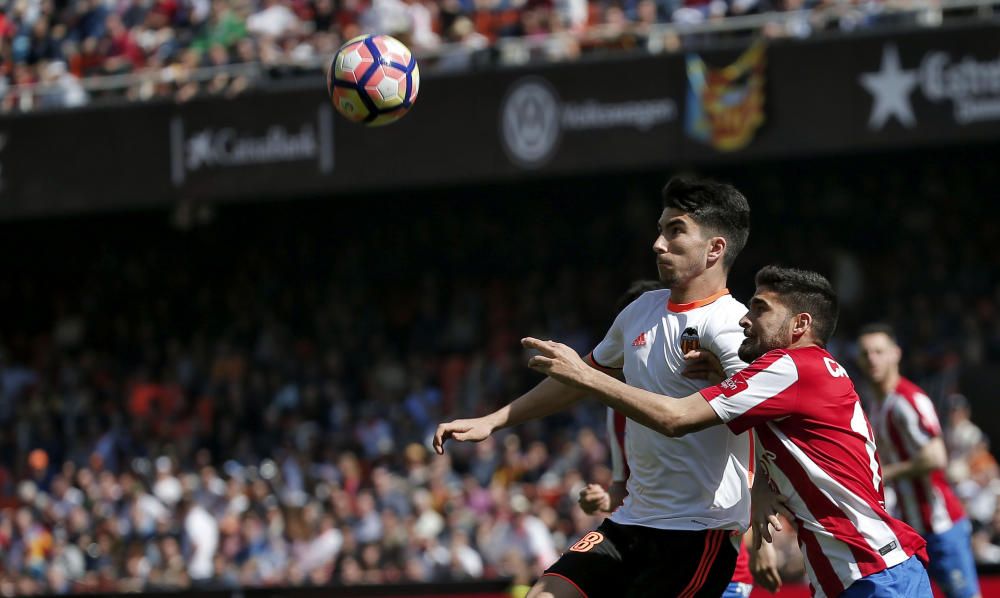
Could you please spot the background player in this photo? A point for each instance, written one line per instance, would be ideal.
(686, 496)
(913, 461)
(819, 457)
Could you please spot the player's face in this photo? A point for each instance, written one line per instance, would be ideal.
(681, 248)
(767, 326)
(878, 356)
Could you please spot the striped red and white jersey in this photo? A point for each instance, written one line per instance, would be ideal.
(905, 422)
(820, 456)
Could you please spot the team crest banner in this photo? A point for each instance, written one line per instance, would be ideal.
(725, 106)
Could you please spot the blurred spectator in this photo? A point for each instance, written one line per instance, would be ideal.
(164, 41)
(962, 437)
(275, 19)
(463, 43)
(201, 532)
(61, 88)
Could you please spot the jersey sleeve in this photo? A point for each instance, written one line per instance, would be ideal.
(915, 420)
(616, 442)
(610, 352)
(764, 390)
(723, 338)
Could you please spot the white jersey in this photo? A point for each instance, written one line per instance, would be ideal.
(616, 442)
(699, 481)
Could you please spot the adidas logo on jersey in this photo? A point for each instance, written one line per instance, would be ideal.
(640, 341)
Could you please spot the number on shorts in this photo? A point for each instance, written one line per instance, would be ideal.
(587, 542)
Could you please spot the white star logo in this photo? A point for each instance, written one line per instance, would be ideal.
(891, 87)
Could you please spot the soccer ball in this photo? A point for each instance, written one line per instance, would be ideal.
(373, 80)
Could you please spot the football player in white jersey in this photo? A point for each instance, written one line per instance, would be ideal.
(759, 564)
(688, 501)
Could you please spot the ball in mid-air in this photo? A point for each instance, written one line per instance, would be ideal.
(373, 80)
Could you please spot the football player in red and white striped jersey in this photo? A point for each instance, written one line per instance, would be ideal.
(819, 459)
(913, 461)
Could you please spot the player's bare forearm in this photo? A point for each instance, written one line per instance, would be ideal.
(546, 398)
(666, 415)
(932, 456)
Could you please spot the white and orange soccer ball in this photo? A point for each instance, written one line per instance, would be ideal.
(373, 80)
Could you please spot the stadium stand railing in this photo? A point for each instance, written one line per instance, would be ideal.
(551, 47)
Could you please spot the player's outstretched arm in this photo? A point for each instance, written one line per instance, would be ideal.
(547, 397)
(675, 417)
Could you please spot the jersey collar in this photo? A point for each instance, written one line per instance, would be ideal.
(682, 307)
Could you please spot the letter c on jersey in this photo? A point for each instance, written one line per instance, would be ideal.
(836, 370)
(587, 542)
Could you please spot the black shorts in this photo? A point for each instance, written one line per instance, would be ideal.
(633, 561)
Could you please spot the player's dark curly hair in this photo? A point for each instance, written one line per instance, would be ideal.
(804, 291)
(718, 207)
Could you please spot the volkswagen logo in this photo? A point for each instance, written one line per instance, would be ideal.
(529, 122)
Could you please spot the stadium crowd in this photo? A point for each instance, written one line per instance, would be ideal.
(248, 402)
(47, 46)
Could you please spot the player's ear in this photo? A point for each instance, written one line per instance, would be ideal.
(716, 249)
(801, 324)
